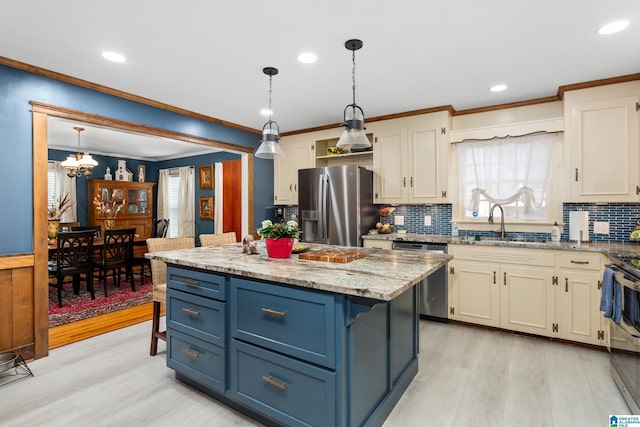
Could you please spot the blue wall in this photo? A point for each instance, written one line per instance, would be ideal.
(18, 87)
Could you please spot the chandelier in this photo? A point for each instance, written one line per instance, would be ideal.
(79, 164)
(353, 135)
(269, 146)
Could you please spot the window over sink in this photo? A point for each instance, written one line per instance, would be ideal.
(515, 172)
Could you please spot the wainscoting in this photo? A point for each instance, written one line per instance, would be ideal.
(17, 314)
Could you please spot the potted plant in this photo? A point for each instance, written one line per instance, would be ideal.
(108, 209)
(55, 212)
(279, 237)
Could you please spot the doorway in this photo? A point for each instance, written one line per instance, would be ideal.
(40, 114)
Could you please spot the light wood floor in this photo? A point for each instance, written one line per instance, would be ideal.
(468, 377)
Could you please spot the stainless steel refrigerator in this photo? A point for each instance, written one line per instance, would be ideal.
(336, 204)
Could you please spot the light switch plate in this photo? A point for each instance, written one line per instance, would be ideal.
(398, 220)
(601, 227)
(427, 220)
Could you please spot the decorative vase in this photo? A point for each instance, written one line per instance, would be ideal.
(279, 248)
(53, 226)
(109, 224)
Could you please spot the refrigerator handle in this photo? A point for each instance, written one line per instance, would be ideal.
(323, 207)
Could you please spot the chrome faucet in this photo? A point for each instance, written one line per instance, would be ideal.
(501, 231)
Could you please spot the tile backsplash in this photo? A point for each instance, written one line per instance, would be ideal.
(621, 217)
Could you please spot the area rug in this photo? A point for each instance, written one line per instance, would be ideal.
(78, 307)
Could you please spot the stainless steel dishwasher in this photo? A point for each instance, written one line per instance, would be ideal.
(433, 291)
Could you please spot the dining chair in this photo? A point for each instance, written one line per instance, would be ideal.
(159, 279)
(160, 227)
(114, 257)
(97, 230)
(218, 239)
(68, 226)
(72, 258)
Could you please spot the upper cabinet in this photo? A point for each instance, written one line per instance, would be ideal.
(299, 152)
(410, 159)
(602, 143)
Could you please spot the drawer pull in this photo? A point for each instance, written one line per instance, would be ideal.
(579, 262)
(191, 312)
(494, 277)
(269, 380)
(566, 284)
(190, 353)
(273, 312)
(191, 281)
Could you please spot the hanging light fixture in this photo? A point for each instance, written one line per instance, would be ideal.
(79, 164)
(353, 135)
(269, 146)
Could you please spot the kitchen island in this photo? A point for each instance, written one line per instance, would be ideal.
(292, 341)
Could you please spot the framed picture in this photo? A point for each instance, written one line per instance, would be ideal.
(206, 207)
(205, 176)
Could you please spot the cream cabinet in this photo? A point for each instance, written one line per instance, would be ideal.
(537, 291)
(377, 244)
(602, 143)
(299, 153)
(474, 295)
(579, 290)
(515, 293)
(410, 159)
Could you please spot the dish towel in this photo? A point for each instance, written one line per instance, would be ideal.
(611, 299)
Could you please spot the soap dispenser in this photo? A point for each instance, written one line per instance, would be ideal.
(555, 232)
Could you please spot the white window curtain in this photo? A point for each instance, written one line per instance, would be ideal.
(175, 200)
(511, 171)
(60, 184)
(219, 199)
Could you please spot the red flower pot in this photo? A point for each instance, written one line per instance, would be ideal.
(279, 248)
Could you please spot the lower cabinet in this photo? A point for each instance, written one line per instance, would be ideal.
(543, 292)
(296, 356)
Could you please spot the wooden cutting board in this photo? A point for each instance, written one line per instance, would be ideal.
(333, 255)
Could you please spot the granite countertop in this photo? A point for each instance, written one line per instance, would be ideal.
(381, 274)
(609, 249)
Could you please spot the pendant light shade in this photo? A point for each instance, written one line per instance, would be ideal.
(79, 164)
(270, 144)
(353, 135)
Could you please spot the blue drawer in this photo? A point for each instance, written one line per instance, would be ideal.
(196, 282)
(199, 360)
(200, 317)
(292, 321)
(285, 389)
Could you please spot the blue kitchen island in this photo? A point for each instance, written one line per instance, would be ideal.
(292, 341)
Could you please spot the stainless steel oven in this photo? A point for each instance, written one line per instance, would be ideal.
(625, 336)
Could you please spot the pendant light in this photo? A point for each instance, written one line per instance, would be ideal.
(79, 164)
(353, 135)
(269, 146)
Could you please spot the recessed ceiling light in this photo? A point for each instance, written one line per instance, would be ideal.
(113, 56)
(498, 88)
(613, 27)
(266, 112)
(307, 58)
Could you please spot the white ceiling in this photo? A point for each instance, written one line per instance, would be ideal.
(117, 143)
(207, 56)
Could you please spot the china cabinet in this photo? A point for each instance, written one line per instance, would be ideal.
(137, 209)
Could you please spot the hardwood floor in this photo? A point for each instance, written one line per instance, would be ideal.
(468, 377)
(98, 325)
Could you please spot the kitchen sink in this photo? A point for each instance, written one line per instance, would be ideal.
(508, 240)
